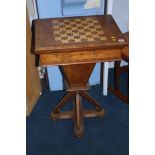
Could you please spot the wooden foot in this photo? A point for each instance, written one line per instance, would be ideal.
(78, 116)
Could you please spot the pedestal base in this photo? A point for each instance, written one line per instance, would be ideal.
(78, 113)
(77, 77)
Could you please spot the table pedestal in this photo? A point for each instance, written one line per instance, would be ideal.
(77, 77)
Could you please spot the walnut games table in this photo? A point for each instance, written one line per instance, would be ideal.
(76, 44)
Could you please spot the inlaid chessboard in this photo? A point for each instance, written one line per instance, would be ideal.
(77, 33)
(76, 30)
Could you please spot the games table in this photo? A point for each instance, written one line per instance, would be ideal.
(76, 44)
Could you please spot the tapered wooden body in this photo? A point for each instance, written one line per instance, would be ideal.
(77, 75)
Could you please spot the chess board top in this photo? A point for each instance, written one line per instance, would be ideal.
(77, 33)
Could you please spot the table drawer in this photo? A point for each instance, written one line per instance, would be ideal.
(79, 57)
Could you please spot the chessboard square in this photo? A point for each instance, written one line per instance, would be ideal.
(88, 33)
(70, 37)
(90, 39)
(83, 36)
(75, 31)
(68, 29)
(86, 30)
(67, 25)
(81, 30)
(79, 27)
(71, 40)
(88, 36)
(73, 25)
(64, 41)
(63, 34)
(64, 37)
(74, 28)
(76, 36)
(69, 34)
(77, 40)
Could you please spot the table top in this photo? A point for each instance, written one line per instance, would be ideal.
(77, 33)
